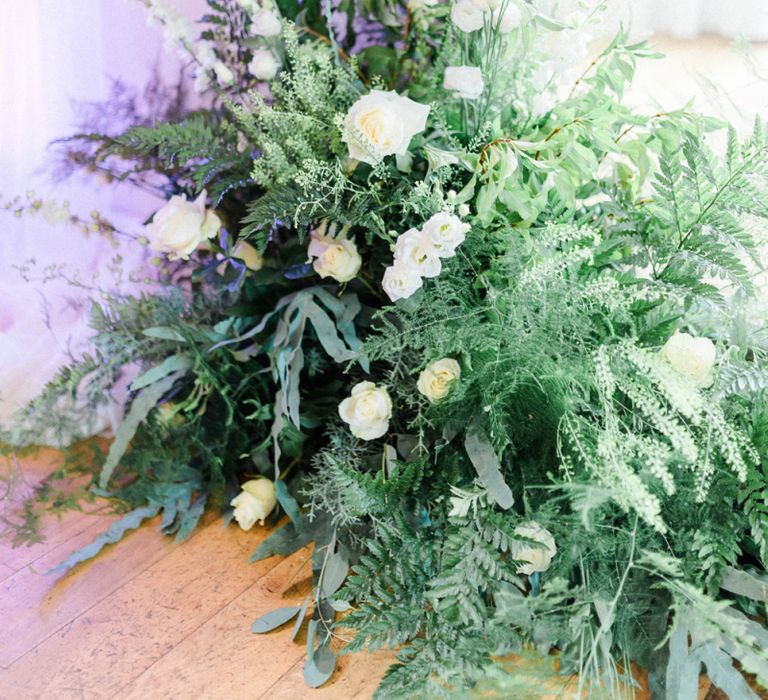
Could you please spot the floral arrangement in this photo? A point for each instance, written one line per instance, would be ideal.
(490, 339)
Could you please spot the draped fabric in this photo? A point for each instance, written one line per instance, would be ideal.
(54, 55)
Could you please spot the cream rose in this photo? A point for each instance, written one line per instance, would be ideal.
(467, 15)
(382, 124)
(446, 232)
(265, 23)
(437, 378)
(334, 257)
(367, 411)
(537, 558)
(415, 250)
(179, 226)
(249, 255)
(507, 19)
(400, 281)
(255, 502)
(465, 82)
(692, 357)
(263, 65)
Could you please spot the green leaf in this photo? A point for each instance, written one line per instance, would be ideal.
(164, 333)
(334, 573)
(130, 521)
(284, 541)
(300, 617)
(722, 673)
(320, 667)
(273, 620)
(139, 410)
(486, 463)
(288, 502)
(175, 363)
(744, 583)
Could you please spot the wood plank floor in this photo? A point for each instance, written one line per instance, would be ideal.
(151, 619)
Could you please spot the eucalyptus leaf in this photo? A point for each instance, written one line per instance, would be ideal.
(130, 521)
(164, 333)
(175, 363)
(288, 502)
(334, 573)
(486, 463)
(139, 410)
(300, 617)
(320, 668)
(274, 619)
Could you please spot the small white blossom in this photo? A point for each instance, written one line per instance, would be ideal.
(416, 251)
(266, 23)
(465, 82)
(401, 281)
(263, 65)
(446, 232)
(467, 15)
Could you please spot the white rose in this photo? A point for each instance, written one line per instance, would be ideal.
(382, 124)
(263, 65)
(692, 357)
(467, 15)
(415, 250)
(249, 255)
(446, 232)
(367, 411)
(334, 257)
(179, 226)
(464, 81)
(400, 281)
(538, 558)
(508, 19)
(265, 23)
(223, 74)
(255, 502)
(436, 379)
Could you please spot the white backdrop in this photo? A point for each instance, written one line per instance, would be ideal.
(53, 54)
(691, 18)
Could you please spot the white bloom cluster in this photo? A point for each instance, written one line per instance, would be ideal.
(418, 254)
(471, 15)
(263, 65)
(180, 32)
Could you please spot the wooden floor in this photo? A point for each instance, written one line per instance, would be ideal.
(150, 619)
